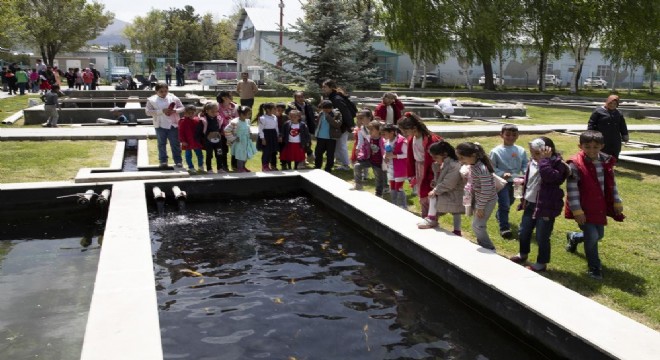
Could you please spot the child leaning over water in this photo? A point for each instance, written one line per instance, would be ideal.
(480, 193)
(237, 133)
(191, 135)
(448, 185)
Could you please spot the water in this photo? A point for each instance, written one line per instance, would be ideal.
(284, 279)
(46, 284)
(130, 160)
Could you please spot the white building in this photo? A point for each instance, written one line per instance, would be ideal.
(257, 25)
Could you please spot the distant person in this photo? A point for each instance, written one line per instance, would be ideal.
(70, 78)
(180, 75)
(165, 107)
(87, 78)
(51, 106)
(247, 90)
(34, 81)
(22, 80)
(96, 76)
(341, 102)
(592, 196)
(78, 82)
(40, 66)
(11, 81)
(444, 107)
(610, 122)
(118, 114)
(153, 80)
(168, 74)
(123, 84)
(390, 108)
(226, 113)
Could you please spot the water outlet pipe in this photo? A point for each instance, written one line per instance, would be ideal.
(158, 194)
(103, 198)
(84, 199)
(178, 193)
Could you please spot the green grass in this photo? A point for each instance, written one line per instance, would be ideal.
(9, 106)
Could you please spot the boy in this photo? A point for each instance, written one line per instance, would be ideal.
(509, 161)
(592, 196)
(328, 130)
(370, 155)
(51, 104)
(118, 115)
(444, 108)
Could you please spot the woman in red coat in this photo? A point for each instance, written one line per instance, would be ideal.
(390, 109)
(419, 159)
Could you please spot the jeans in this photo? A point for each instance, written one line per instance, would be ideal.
(21, 88)
(591, 234)
(543, 227)
(479, 226)
(52, 113)
(379, 175)
(504, 200)
(200, 158)
(341, 150)
(325, 146)
(172, 135)
(168, 79)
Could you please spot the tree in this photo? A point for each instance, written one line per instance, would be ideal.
(220, 43)
(183, 34)
(364, 12)
(12, 26)
(331, 36)
(146, 34)
(61, 25)
(414, 27)
(584, 28)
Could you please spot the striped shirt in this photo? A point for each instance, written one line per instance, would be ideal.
(483, 185)
(573, 190)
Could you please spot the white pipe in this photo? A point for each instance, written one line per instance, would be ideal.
(158, 194)
(178, 194)
(85, 198)
(103, 198)
(107, 121)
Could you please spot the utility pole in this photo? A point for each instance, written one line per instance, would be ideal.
(281, 6)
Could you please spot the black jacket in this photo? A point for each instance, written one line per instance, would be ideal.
(346, 108)
(305, 136)
(612, 125)
(308, 110)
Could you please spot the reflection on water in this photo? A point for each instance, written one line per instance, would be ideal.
(283, 278)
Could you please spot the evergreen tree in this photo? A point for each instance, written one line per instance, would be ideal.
(332, 38)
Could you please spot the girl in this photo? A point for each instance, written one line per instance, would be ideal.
(269, 136)
(389, 110)
(328, 130)
(419, 161)
(361, 136)
(191, 131)
(226, 112)
(480, 193)
(396, 158)
(448, 184)
(295, 141)
(237, 133)
(213, 136)
(87, 78)
(542, 200)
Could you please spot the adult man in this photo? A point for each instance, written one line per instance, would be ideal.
(168, 74)
(180, 71)
(247, 89)
(610, 122)
(41, 67)
(341, 102)
(95, 79)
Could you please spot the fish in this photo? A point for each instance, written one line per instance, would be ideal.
(278, 301)
(279, 241)
(190, 272)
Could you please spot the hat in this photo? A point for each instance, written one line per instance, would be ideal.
(116, 108)
(537, 144)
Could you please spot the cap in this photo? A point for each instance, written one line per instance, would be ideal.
(91, 64)
(116, 108)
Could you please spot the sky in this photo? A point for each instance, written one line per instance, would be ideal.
(127, 10)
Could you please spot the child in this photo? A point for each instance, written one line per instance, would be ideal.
(542, 200)
(282, 118)
(237, 133)
(419, 161)
(226, 112)
(87, 77)
(480, 193)
(118, 115)
(370, 154)
(444, 107)
(509, 161)
(213, 137)
(296, 139)
(269, 136)
(191, 131)
(592, 195)
(396, 160)
(448, 185)
(361, 136)
(328, 130)
(51, 104)
(389, 110)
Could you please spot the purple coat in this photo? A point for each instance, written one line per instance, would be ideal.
(550, 198)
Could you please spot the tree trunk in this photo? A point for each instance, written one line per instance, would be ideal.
(423, 76)
(541, 74)
(614, 75)
(417, 48)
(501, 84)
(488, 73)
(579, 55)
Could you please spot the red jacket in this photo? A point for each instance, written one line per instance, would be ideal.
(595, 204)
(425, 186)
(190, 132)
(381, 110)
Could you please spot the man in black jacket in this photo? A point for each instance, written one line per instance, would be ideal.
(610, 122)
(341, 102)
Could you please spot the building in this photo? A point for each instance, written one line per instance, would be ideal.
(257, 26)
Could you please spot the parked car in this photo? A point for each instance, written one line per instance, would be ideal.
(496, 80)
(595, 82)
(118, 72)
(204, 74)
(551, 80)
(431, 78)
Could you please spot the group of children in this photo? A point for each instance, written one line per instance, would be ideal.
(462, 180)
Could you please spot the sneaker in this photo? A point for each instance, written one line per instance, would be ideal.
(506, 234)
(357, 187)
(45, 125)
(427, 223)
(265, 168)
(343, 168)
(192, 171)
(201, 171)
(571, 244)
(457, 232)
(179, 165)
(595, 273)
(163, 165)
(536, 267)
(518, 259)
(301, 166)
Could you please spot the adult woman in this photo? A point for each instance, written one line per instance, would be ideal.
(348, 111)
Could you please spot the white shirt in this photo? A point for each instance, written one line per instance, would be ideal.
(418, 148)
(155, 107)
(294, 133)
(533, 182)
(389, 118)
(445, 106)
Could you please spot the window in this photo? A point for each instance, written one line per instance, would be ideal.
(604, 70)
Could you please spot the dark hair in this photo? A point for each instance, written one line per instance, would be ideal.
(262, 110)
(366, 113)
(389, 128)
(55, 88)
(243, 110)
(592, 136)
(443, 148)
(190, 107)
(550, 143)
(326, 104)
(161, 85)
(412, 121)
(280, 105)
(375, 124)
(223, 94)
(209, 105)
(509, 127)
(469, 149)
(332, 84)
